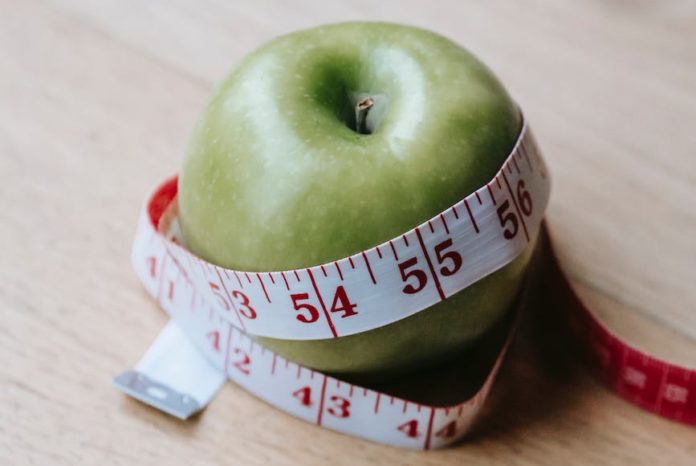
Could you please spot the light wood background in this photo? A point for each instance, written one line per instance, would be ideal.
(96, 102)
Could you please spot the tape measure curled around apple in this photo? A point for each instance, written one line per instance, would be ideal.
(354, 317)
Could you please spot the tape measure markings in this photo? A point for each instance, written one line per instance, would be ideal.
(321, 302)
(214, 287)
(432, 267)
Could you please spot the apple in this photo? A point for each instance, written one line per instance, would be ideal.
(329, 141)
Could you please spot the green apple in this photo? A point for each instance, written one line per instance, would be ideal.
(332, 140)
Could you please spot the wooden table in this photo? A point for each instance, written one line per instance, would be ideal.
(96, 103)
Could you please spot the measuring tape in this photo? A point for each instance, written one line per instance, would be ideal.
(215, 312)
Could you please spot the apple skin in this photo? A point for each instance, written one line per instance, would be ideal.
(276, 178)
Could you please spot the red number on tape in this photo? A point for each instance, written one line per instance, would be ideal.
(304, 394)
(214, 337)
(341, 303)
(246, 310)
(418, 274)
(524, 199)
(453, 256)
(243, 364)
(215, 288)
(410, 428)
(312, 314)
(153, 265)
(340, 408)
(448, 431)
(506, 217)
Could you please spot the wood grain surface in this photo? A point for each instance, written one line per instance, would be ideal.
(96, 103)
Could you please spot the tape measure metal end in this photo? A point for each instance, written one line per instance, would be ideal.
(172, 376)
(157, 395)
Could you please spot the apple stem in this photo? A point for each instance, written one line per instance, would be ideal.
(362, 108)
